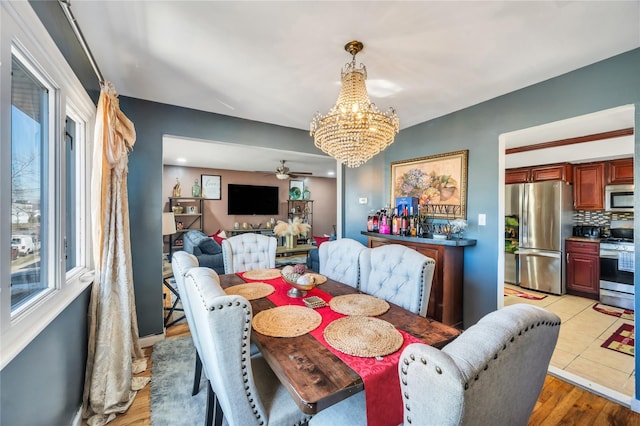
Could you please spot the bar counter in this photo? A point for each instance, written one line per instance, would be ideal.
(445, 301)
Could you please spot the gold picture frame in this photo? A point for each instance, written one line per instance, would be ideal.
(438, 181)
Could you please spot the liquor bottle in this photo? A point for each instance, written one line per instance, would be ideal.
(395, 223)
(412, 223)
(370, 223)
(384, 224)
(404, 223)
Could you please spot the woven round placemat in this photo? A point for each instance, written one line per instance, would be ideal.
(319, 279)
(363, 336)
(262, 274)
(251, 291)
(359, 304)
(286, 321)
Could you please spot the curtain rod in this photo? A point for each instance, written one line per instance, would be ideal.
(66, 6)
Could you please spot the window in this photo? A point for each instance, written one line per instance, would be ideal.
(44, 204)
(30, 101)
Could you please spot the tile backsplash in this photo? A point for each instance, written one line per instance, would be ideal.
(598, 217)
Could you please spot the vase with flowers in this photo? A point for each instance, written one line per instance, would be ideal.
(290, 230)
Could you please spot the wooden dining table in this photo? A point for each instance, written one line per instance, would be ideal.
(314, 376)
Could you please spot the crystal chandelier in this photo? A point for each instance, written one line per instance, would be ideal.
(354, 130)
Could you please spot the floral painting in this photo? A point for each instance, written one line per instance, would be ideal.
(437, 180)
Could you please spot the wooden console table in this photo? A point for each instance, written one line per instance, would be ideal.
(445, 301)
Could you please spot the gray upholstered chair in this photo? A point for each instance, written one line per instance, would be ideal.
(246, 389)
(339, 260)
(181, 263)
(246, 252)
(492, 374)
(399, 275)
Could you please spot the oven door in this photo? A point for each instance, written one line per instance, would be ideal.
(609, 269)
(616, 286)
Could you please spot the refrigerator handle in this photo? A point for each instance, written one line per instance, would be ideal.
(524, 222)
(525, 252)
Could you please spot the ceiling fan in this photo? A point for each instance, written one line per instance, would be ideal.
(283, 172)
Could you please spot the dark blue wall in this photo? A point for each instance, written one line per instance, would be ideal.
(43, 384)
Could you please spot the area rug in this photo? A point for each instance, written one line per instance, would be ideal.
(522, 294)
(173, 364)
(622, 340)
(627, 314)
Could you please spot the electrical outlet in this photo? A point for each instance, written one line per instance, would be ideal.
(362, 200)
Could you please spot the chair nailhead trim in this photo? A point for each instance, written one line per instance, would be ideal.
(438, 370)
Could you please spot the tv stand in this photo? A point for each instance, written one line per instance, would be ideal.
(263, 231)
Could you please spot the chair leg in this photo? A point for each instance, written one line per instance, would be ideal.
(214, 413)
(219, 413)
(211, 401)
(197, 375)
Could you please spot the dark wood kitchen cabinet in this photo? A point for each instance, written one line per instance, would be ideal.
(539, 173)
(620, 171)
(588, 186)
(583, 268)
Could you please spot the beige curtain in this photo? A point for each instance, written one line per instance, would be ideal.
(114, 353)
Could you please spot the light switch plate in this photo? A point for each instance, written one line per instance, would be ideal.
(362, 200)
(482, 219)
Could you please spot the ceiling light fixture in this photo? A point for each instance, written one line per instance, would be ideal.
(282, 176)
(354, 130)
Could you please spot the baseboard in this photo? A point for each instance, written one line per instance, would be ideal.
(581, 382)
(147, 341)
(635, 405)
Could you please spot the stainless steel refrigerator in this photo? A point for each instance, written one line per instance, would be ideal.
(545, 223)
(512, 212)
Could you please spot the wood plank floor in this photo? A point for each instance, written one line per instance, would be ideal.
(560, 403)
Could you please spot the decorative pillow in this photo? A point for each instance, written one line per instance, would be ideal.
(218, 236)
(319, 240)
(207, 245)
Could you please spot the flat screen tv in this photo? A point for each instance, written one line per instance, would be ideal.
(252, 199)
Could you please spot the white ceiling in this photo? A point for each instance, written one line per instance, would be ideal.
(280, 62)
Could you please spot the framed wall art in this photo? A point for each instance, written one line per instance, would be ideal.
(296, 187)
(211, 187)
(438, 181)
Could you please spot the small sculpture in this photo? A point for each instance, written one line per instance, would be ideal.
(176, 188)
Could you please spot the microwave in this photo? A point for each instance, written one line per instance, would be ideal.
(618, 198)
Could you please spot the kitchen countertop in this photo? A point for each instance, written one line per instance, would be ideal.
(584, 239)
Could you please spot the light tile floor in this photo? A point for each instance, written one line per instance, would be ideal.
(582, 332)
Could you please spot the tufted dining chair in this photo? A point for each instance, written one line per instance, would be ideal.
(399, 275)
(246, 389)
(246, 252)
(181, 263)
(492, 374)
(339, 260)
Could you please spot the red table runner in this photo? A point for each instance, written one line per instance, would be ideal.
(380, 377)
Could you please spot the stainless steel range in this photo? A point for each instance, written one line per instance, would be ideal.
(617, 266)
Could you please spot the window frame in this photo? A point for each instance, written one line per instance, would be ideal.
(22, 31)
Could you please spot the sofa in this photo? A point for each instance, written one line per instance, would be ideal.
(205, 249)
